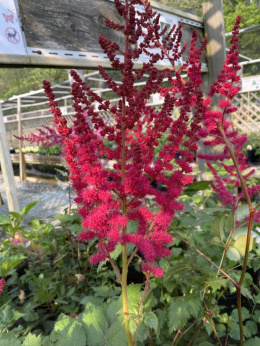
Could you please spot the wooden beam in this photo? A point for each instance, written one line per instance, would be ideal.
(215, 33)
(7, 168)
(215, 54)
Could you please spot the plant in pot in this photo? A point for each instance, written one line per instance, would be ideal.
(253, 147)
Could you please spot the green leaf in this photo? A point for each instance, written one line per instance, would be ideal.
(151, 320)
(9, 263)
(95, 325)
(32, 340)
(90, 299)
(242, 212)
(132, 325)
(253, 342)
(229, 222)
(132, 226)
(9, 315)
(181, 309)
(217, 283)
(257, 299)
(245, 314)
(113, 309)
(117, 252)
(68, 332)
(8, 339)
(25, 210)
(240, 244)
(217, 227)
(5, 220)
(233, 254)
(116, 334)
(252, 327)
(235, 332)
(197, 186)
(142, 333)
(246, 293)
(134, 297)
(176, 251)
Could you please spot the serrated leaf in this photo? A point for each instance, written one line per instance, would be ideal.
(132, 325)
(233, 254)
(246, 293)
(142, 333)
(112, 312)
(181, 309)
(134, 297)
(68, 332)
(217, 283)
(95, 325)
(240, 244)
(116, 334)
(217, 227)
(151, 320)
(32, 340)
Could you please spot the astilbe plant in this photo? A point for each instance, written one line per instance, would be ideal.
(109, 199)
(47, 136)
(219, 132)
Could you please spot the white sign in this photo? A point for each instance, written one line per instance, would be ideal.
(11, 40)
(250, 83)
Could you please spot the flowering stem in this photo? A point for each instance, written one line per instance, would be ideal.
(249, 230)
(142, 301)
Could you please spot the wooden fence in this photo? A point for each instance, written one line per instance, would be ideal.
(247, 117)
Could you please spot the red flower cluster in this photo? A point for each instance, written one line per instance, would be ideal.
(2, 285)
(47, 136)
(219, 132)
(110, 199)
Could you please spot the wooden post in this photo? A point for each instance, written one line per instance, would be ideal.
(215, 54)
(7, 168)
(22, 164)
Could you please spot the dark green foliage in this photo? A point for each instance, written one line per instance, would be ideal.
(53, 296)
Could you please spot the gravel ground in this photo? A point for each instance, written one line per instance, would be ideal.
(52, 198)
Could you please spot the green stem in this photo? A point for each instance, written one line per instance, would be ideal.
(124, 295)
(195, 333)
(239, 311)
(231, 235)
